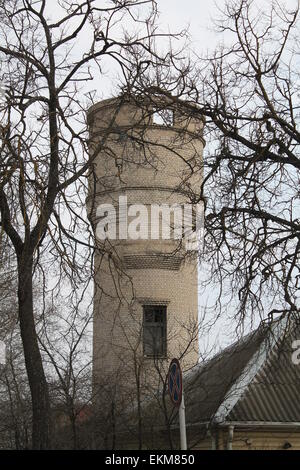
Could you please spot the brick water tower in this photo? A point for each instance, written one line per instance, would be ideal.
(148, 152)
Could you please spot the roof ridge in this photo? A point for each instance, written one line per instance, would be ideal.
(274, 331)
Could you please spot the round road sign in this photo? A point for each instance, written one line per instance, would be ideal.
(175, 382)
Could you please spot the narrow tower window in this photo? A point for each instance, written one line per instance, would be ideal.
(155, 329)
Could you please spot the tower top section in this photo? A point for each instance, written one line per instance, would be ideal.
(153, 110)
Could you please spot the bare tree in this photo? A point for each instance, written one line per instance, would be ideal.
(248, 93)
(15, 431)
(46, 55)
(250, 96)
(65, 338)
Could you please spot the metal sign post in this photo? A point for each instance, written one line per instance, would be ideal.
(182, 426)
(175, 387)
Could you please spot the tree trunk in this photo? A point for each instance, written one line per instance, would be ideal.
(33, 360)
(74, 432)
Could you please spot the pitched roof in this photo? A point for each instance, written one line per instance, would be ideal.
(252, 380)
(209, 383)
(273, 394)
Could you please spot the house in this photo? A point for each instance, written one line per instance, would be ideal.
(246, 397)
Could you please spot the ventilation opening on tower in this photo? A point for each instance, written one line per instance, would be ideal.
(163, 117)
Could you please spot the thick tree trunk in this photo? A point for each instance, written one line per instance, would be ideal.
(37, 381)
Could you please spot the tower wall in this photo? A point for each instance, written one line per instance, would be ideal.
(149, 164)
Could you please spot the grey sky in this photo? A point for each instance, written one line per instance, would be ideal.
(196, 13)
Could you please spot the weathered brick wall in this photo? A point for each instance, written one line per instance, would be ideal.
(166, 169)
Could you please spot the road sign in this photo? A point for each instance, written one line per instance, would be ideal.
(175, 382)
(175, 386)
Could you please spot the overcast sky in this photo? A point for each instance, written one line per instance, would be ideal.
(196, 13)
(175, 15)
(200, 15)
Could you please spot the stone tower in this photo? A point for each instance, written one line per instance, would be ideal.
(146, 301)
